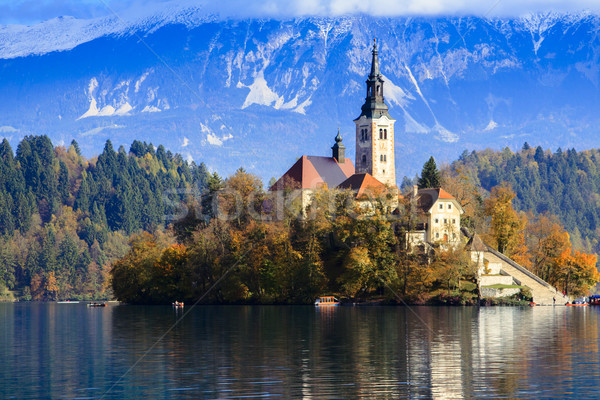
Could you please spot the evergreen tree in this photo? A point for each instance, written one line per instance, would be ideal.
(75, 146)
(430, 175)
(63, 182)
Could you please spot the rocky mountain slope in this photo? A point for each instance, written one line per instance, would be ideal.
(259, 93)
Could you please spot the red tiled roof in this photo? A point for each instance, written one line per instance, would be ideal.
(427, 197)
(362, 184)
(442, 194)
(311, 172)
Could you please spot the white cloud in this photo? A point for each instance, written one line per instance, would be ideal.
(33, 11)
(491, 126)
(293, 8)
(99, 129)
(214, 140)
(186, 141)
(7, 129)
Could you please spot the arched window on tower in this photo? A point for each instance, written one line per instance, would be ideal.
(385, 133)
(364, 159)
(380, 133)
(378, 90)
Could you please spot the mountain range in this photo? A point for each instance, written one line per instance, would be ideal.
(259, 93)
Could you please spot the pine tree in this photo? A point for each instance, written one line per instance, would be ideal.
(75, 146)
(430, 175)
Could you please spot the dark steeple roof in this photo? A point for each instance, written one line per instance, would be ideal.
(374, 63)
(374, 106)
(339, 150)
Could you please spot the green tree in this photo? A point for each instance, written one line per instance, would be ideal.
(430, 175)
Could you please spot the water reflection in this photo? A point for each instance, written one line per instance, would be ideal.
(54, 351)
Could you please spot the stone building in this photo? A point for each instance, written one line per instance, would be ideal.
(438, 217)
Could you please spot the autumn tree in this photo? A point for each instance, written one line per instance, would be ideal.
(547, 240)
(506, 224)
(370, 242)
(575, 272)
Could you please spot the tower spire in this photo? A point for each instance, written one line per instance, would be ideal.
(339, 150)
(375, 62)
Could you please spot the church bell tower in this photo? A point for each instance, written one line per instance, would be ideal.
(375, 131)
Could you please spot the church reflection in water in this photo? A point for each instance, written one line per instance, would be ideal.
(299, 352)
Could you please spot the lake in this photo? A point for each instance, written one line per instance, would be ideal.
(70, 351)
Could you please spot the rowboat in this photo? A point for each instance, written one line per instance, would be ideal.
(178, 304)
(326, 301)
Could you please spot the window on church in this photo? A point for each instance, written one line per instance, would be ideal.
(449, 206)
(437, 235)
(445, 221)
(385, 133)
(364, 159)
(385, 158)
(381, 134)
(378, 90)
(441, 206)
(453, 220)
(437, 220)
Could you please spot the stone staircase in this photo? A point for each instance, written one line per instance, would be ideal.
(543, 293)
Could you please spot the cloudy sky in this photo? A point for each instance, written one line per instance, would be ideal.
(32, 11)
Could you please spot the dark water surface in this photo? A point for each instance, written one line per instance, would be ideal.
(70, 351)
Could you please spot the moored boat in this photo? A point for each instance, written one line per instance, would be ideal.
(94, 304)
(594, 300)
(178, 304)
(326, 301)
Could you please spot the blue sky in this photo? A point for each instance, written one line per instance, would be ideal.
(32, 11)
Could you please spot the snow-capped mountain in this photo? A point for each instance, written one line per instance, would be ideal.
(259, 93)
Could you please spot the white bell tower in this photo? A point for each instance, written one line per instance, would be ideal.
(375, 131)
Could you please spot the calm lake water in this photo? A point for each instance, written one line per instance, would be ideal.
(70, 351)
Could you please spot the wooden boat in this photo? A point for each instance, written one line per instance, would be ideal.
(326, 301)
(576, 304)
(67, 302)
(178, 304)
(94, 304)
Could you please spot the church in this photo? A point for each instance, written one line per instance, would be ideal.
(374, 170)
(438, 212)
(374, 167)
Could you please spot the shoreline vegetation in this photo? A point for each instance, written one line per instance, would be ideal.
(145, 226)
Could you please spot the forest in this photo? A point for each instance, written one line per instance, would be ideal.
(65, 219)
(565, 184)
(145, 226)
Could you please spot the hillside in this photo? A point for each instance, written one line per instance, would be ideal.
(65, 218)
(563, 183)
